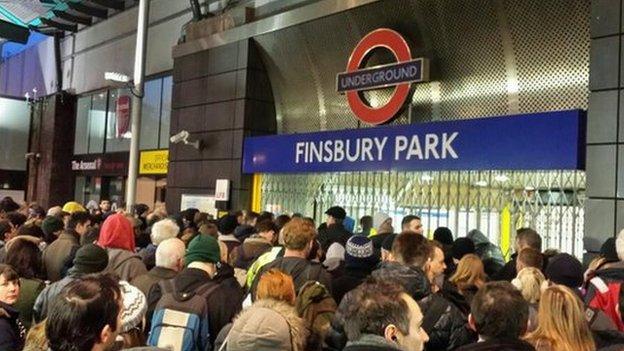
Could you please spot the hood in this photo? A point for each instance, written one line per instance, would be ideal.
(478, 237)
(268, 325)
(117, 233)
(243, 232)
(224, 271)
(413, 279)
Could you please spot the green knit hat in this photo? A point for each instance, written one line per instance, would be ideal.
(203, 248)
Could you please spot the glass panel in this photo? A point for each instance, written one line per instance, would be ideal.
(118, 132)
(81, 141)
(14, 131)
(150, 116)
(97, 123)
(79, 189)
(166, 113)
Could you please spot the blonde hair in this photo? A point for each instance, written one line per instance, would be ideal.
(298, 234)
(529, 281)
(561, 322)
(470, 272)
(274, 284)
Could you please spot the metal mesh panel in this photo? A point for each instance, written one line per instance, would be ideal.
(552, 202)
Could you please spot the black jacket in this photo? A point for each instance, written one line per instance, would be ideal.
(452, 294)
(445, 324)
(499, 345)
(335, 233)
(350, 279)
(508, 272)
(223, 304)
(12, 333)
(368, 342)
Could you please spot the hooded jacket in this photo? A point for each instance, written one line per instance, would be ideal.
(117, 237)
(490, 254)
(244, 255)
(449, 328)
(268, 325)
(59, 254)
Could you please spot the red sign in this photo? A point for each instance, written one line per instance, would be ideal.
(399, 75)
(123, 115)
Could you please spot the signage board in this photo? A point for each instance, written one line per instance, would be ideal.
(399, 75)
(222, 190)
(122, 113)
(540, 141)
(154, 162)
(114, 164)
(204, 203)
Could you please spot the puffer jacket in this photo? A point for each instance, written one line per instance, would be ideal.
(268, 325)
(448, 328)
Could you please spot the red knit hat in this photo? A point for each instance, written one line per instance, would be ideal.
(117, 233)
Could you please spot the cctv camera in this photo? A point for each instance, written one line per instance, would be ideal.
(181, 137)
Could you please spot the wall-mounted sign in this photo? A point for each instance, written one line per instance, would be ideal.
(154, 162)
(204, 203)
(540, 141)
(114, 164)
(400, 74)
(122, 113)
(222, 190)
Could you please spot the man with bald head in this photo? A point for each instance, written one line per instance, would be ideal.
(169, 261)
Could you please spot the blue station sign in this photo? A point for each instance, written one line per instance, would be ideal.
(539, 141)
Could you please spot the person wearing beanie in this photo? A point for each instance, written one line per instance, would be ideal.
(227, 226)
(203, 267)
(59, 255)
(132, 316)
(334, 259)
(88, 259)
(382, 223)
(333, 230)
(490, 254)
(360, 260)
(117, 237)
(565, 269)
(52, 227)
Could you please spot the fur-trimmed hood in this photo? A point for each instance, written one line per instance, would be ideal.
(268, 325)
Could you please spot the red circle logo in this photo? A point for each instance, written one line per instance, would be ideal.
(393, 41)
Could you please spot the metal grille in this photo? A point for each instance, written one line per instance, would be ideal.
(552, 202)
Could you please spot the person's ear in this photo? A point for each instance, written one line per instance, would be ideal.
(106, 335)
(472, 323)
(391, 333)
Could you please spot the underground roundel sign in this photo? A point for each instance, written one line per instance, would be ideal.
(398, 75)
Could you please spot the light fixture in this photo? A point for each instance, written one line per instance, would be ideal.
(116, 77)
(501, 178)
(481, 183)
(426, 178)
(529, 188)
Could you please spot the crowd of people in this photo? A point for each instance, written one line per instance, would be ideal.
(81, 278)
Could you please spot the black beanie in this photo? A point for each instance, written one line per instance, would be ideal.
(462, 247)
(566, 270)
(608, 250)
(443, 235)
(227, 224)
(90, 259)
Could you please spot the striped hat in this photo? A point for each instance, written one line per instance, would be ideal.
(135, 306)
(360, 253)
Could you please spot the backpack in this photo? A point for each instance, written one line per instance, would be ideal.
(606, 297)
(316, 306)
(180, 320)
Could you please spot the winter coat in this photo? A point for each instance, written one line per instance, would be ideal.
(335, 233)
(499, 345)
(127, 265)
(490, 254)
(230, 241)
(29, 291)
(12, 332)
(59, 254)
(449, 328)
(370, 342)
(148, 255)
(223, 303)
(350, 280)
(452, 294)
(244, 255)
(144, 282)
(47, 295)
(268, 325)
(301, 270)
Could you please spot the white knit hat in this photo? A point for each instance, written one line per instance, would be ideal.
(135, 306)
(379, 218)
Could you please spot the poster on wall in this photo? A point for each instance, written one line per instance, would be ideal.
(204, 203)
(122, 112)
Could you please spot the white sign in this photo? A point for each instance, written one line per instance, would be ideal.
(204, 203)
(222, 190)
